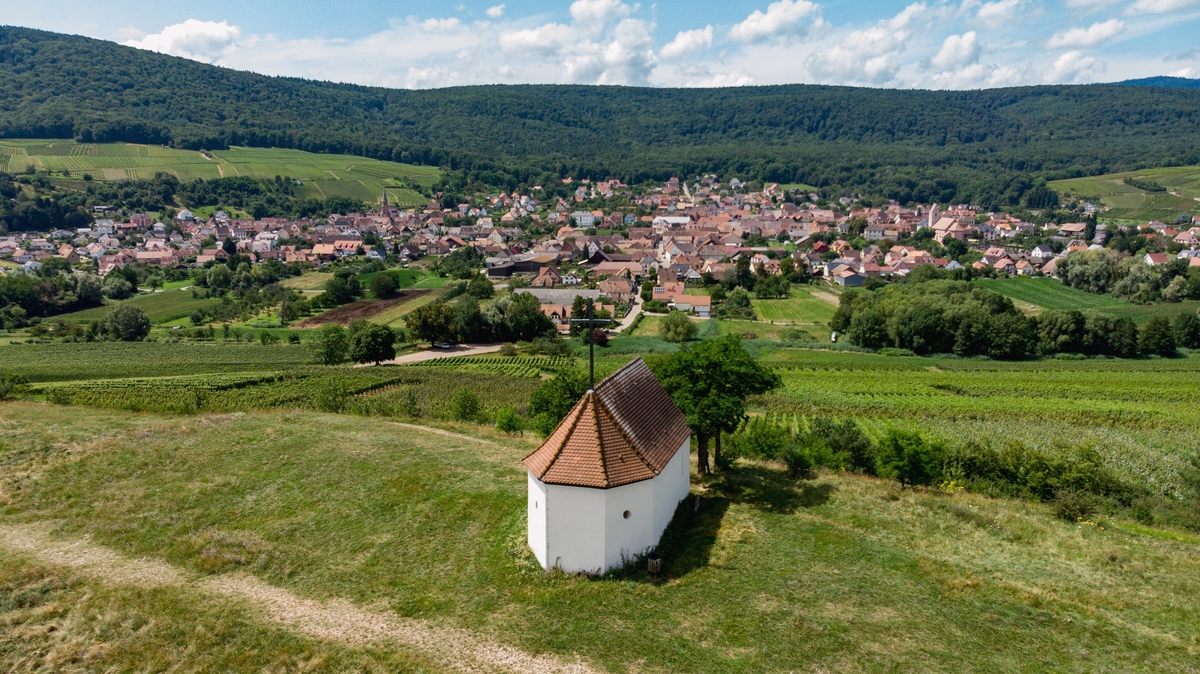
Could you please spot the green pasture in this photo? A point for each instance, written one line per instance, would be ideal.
(1129, 204)
(159, 307)
(322, 175)
(799, 307)
(1048, 293)
(837, 573)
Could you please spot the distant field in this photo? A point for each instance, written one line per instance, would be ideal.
(1127, 203)
(160, 307)
(1050, 294)
(800, 307)
(322, 175)
(1142, 313)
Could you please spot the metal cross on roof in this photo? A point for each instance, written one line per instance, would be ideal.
(591, 320)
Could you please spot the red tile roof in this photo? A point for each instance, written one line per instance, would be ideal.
(626, 431)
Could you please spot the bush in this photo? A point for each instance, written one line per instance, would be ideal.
(372, 343)
(1072, 505)
(797, 454)
(758, 438)
(332, 395)
(656, 307)
(508, 421)
(599, 337)
(910, 458)
(509, 350)
(677, 327)
(846, 444)
(544, 424)
(464, 406)
(1157, 338)
(12, 385)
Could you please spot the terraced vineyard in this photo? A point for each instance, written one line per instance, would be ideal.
(105, 360)
(1127, 203)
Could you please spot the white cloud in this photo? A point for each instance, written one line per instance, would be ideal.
(1073, 66)
(957, 50)
(1083, 38)
(686, 42)
(996, 15)
(869, 56)
(1190, 73)
(550, 37)
(194, 39)
(781, 18)
(596, 13)
(1161, 6)
(1090, 5)
(495, 12)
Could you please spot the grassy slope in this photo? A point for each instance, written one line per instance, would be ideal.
(159, 307)
(1049, 293)
(800, 307)
(322, 175)
(1127, 203)
(840, 574)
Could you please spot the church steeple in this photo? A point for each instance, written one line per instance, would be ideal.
(383, 210)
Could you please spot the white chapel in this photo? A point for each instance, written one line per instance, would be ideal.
(605, 484)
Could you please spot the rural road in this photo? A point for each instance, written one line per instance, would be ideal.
(629, 318)
(430, 354)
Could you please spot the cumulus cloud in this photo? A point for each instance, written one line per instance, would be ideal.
(999, 14)
(596, 13)
(588, 50)
(1083, 38)
(1073, 66)
(956, 51)
(1161, 6)
(193, 39)
(784, 17)
(686, 42)
(869, 56)
(495, 12)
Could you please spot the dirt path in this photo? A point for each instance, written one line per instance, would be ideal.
(828, 297)
(336, 620)
(431, 354)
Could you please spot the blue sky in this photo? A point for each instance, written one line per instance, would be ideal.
(966, 44)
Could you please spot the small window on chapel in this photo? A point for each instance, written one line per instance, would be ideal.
(625, 514)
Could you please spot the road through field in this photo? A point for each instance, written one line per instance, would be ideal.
(430, 354)
(332, 620)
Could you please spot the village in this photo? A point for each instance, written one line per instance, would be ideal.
(666, 238)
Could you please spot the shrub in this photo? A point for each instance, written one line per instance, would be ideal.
(1072, 505)
(464, 406)
(332, 395)
(845, 443)
(545, 424)
(509, 350)
(910, 458)
(656, 307)
(599, 337)
(508, 421)
(677, 327)
(12, 385)
(797, 454)
(758, 438)
(197, 317)
(409, 405)
(127, 323)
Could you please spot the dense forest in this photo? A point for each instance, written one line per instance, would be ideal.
(981, 146)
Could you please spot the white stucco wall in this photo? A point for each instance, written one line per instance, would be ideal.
(537, 519)
(579, 529)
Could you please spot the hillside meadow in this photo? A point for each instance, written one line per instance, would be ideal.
(1129, 203)
(838, 573)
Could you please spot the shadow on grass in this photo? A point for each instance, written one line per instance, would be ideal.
(687, 542)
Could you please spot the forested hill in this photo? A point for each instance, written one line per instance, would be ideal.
(988, 146)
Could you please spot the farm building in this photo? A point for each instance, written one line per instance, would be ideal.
(605, 484)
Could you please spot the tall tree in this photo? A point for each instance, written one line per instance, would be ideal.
(710, 382)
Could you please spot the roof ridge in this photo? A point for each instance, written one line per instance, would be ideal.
(593, 398)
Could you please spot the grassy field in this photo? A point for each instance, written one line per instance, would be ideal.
(160, 307)
(102, 360)
(1126, 203)
(799, 307)
(321, 175)
(840, 573)
(1048, 293)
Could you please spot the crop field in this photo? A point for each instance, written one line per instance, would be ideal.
(1140, 313)
(1049, 294)
(1142, 416)
(104, 360)
(160, 307)
(1126, 203)
(368, 309)
(421, 527)
(321, 175)
(799, 307)
(518, 366)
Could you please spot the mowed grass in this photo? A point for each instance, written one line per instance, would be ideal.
(322, 175)
(840, 573)
(159, 307)
(1048, 293)
(799, 307)
(1130, 204)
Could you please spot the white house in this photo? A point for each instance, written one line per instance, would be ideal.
(605, 484)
